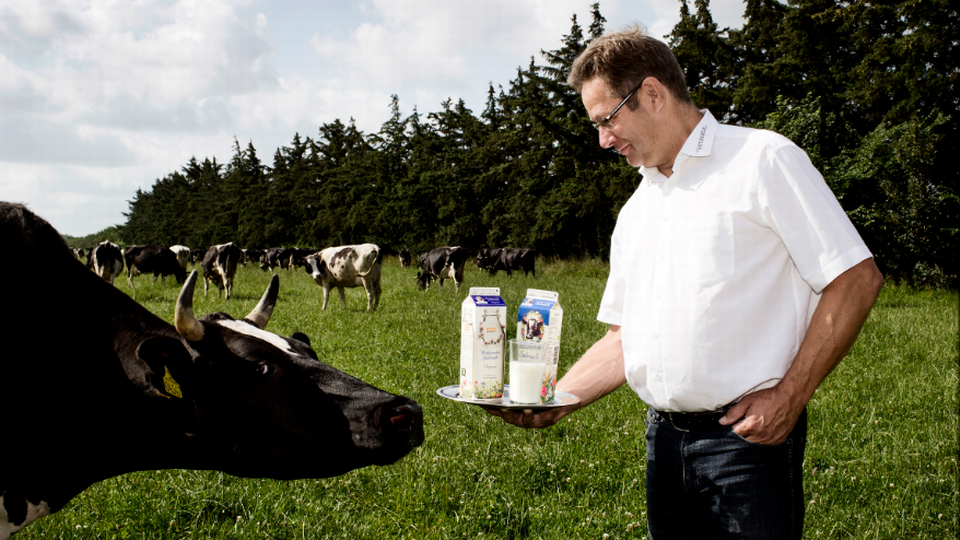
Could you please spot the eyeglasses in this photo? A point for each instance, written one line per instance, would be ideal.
(605, 122)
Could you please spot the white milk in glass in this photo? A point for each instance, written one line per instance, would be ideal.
(526, 371)
(483, 318)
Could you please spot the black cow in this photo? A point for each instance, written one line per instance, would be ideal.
(153, 259)
(219, 266)
(442, 263)
(495, 259)
(212, 393)
(106, 259)
(404, 258)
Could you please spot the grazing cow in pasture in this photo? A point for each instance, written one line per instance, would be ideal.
(495, 259)
(208, 393)
(183, 255)
(348, 266)
(251, 255)
(153, 259)
(106, 259)
(196, 255)
(404, 258)
(274, 257)
(442, 263)
(220, 266)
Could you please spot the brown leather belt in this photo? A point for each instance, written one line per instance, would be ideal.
(693, 421)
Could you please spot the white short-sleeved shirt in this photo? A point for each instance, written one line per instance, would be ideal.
(716, 270)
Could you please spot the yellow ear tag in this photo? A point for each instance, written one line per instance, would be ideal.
(170, 385)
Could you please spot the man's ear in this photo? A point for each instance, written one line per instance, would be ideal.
(161, 369)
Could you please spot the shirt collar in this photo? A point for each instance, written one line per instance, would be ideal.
(698, 144)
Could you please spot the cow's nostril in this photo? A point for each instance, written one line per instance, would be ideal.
(407, 421)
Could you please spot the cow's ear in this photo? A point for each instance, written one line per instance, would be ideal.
(301, 337)
(161, 367)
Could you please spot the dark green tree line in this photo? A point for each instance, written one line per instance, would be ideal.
(867, 89)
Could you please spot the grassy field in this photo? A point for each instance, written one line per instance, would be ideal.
(881, 461)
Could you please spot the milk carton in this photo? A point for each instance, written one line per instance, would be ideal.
(539, 318)
(483, 317)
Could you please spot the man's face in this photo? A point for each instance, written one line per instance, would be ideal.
(635, 134)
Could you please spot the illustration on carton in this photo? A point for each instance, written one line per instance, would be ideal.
(540, 318)
(483, 318)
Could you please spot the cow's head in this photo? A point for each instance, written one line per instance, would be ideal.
(315, 266)
(422, 280)
(257, 404)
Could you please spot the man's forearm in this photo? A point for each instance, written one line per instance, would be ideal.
(834, 327)
(598, 372)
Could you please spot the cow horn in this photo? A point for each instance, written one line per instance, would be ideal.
(260, 315)
(186, 323)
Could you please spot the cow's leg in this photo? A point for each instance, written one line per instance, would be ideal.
(326, 295)
(343, 297)
(376, 294)
(372, 293)
(228, 288)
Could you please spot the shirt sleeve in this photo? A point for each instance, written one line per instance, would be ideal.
(803, 211)
(611, 305)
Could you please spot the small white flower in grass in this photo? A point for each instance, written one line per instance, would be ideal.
(605, 536)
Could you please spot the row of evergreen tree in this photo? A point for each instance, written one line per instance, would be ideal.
(868, 89)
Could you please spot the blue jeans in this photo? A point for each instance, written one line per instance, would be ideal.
(714, 484)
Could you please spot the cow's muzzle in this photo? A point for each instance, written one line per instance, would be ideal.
(404, 423)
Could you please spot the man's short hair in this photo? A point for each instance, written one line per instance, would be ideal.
(623, 60)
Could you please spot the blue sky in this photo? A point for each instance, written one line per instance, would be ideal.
(101, 98)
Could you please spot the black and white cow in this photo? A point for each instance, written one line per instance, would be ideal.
(220, 266)
(495, 259)
(251, 255)
(348, 266)
(212, 393)
(106, 259)
(442, 263)
(183, 254)
(153, 259)
(276, 256)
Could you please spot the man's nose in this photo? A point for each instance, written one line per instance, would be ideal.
(607, 139)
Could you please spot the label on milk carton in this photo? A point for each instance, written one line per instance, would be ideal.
(540, 318)
(483, 317)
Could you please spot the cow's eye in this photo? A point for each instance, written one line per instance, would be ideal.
(263, 369)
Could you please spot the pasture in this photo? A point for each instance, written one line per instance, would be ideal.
(881, 461)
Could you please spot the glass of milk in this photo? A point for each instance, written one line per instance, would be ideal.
(527, 363)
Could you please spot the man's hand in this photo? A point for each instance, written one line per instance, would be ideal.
(527, 418)
(764, 417)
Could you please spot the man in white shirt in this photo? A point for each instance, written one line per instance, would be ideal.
(737, 283)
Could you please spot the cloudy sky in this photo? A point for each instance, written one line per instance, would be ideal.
(99, 98)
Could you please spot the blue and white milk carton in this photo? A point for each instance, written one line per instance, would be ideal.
(539, 319)
(483, 317)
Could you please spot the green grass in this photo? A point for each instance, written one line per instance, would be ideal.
(881, 460)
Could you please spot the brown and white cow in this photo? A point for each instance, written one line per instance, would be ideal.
(219, 266)
(348, 266)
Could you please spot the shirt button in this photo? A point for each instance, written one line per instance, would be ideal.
(656, 335)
